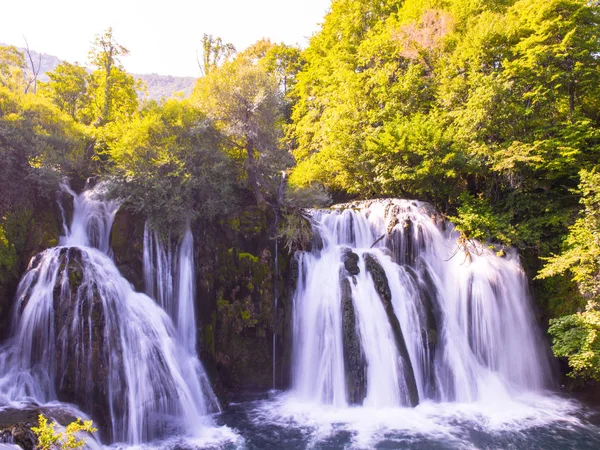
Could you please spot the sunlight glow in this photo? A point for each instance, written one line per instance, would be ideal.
(163, 37)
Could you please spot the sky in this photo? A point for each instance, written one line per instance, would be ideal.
(162, 36)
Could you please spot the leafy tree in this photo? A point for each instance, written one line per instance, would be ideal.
(68, 89)
(12, 68)
(215, 52)
(113, 90)
(581, 248)
(38, 146)
(244, 102)
(168, 164)
(577, 338)
(281, 60)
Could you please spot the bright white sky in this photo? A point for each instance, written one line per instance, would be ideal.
(162, 36)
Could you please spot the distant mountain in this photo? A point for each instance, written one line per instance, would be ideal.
(47, 62)
(157, 86)
(165, 86)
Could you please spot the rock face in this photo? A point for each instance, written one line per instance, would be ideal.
(235, 296)
(383, 289)
(23, 436)
(28, 231)
(432, 318)
(126, 241)
(235, 273)
(355, 364)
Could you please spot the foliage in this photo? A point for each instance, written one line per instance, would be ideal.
(49, 438)
(215, 52)
(167, 164)
(12, 68)
(114, 90)
(294, 227)
(38, 146)
(581, 247)
(8, 255)
(243, 101)
(577, 338)
(68, 89)
(476, 219)
(450, 101)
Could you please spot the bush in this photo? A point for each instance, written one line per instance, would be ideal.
(50, 439)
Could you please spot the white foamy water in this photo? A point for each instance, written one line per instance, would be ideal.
(82, 334)
(461, 328)
(479, 424)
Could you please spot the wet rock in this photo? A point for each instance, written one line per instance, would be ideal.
(350, 260)
(23, 436)
(79, 317)
(431, 316)
(383, 289)
(402, 243)
(127, 242)
(316, 242)
(355, 364)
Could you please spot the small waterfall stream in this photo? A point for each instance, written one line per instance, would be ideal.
(81, 334)
(391, 310)
(169, 278)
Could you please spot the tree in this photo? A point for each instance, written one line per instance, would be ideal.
(38, 146)
(214, 53)
(282, 61)
(68, 89)
(581, 247)
(34, 69)
(113, 90)
(12, 68)
(167, 163)
(244, 102)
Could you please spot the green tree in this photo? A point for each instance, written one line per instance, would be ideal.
(581, 247)
(215, 52)
(168, 165)
(113, 90)
(68, 89)
(38, 146)
(12, 68)
(244, 102)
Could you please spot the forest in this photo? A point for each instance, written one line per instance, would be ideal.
(490, 111)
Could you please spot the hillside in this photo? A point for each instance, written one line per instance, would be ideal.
(165, 86)
(157, 86)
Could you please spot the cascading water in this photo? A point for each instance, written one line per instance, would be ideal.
(392, 310)
(169, 279)
(82, 335)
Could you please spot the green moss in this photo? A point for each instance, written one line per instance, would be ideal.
(8, 255)
(209, 339)
(75, 277)
(249, 256)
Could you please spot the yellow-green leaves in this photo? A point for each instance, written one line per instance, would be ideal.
(50, 439)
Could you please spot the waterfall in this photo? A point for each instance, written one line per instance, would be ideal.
(393, 309)
(169, 278)
(92, 219)
(81, 334)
